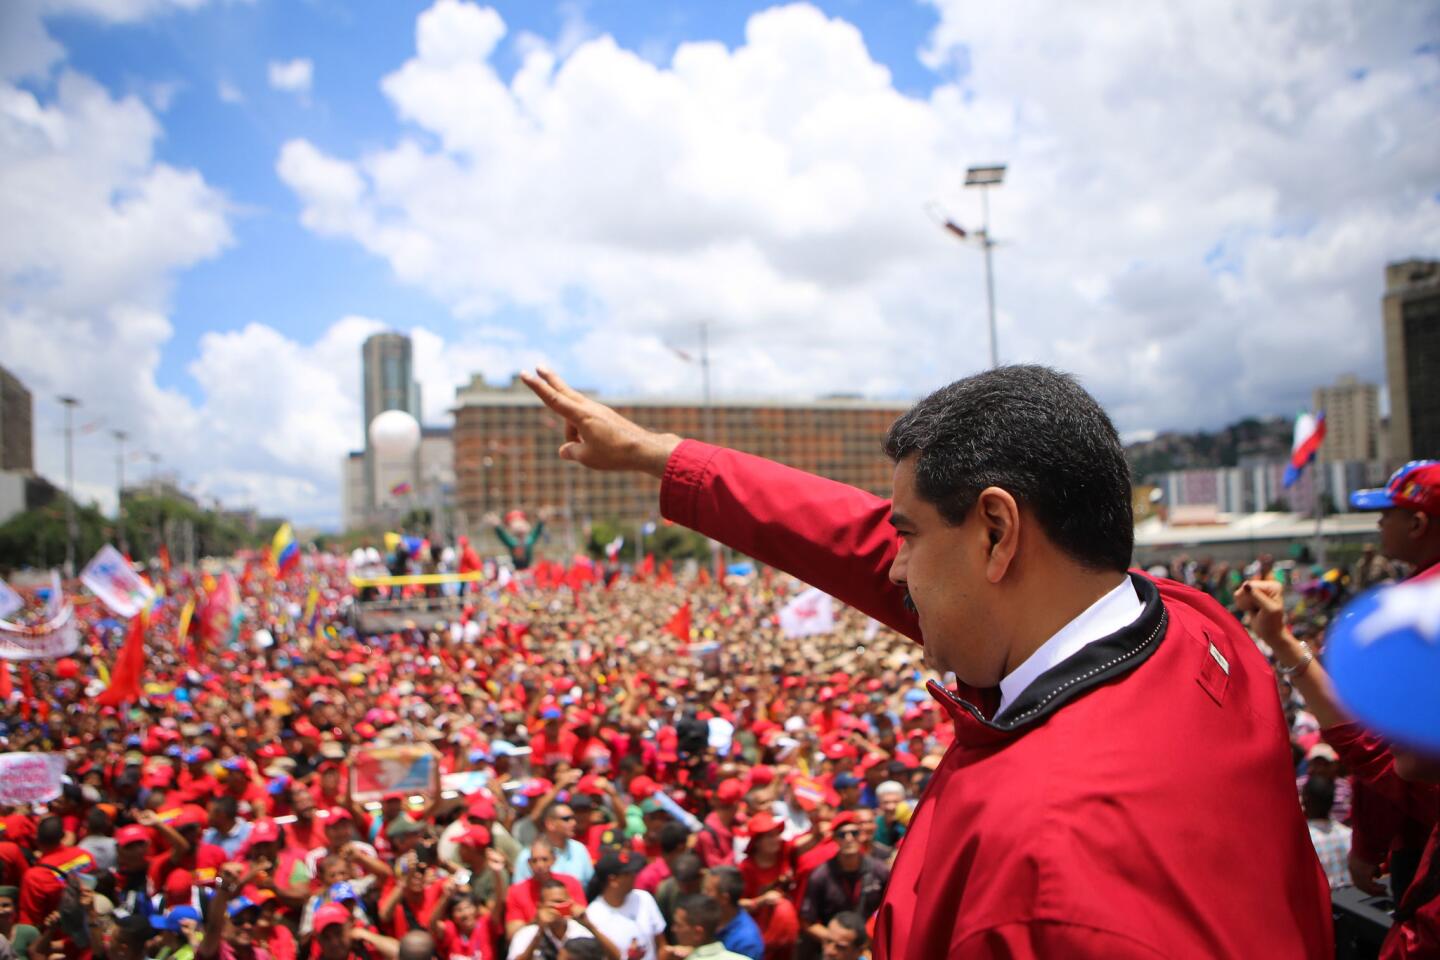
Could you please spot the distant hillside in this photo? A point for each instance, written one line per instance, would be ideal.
(1249, 440)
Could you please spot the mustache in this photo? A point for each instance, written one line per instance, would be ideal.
(910, 603)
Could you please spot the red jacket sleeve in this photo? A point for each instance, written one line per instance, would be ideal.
(1370, 762)
(832, 536)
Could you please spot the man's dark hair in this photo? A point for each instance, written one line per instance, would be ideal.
(50, 832)
(673, 837)
(1035, 433)
(550, 883)
(1317, 797)
(584, 948)
(98, 823)
(851, 920)
(226, 805)
(703, 912)
(688, 867)
(729, 883)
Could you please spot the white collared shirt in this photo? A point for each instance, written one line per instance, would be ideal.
(1116, 610)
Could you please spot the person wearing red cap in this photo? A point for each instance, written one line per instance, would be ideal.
(462, 927)
(133, 889)
(182, 830)
(1409, 507)
(716, 843)
(1006, 548)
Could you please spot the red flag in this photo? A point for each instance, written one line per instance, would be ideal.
(646, 568)
(164, 554)
(7, 686)
(679, 625)
(27, 691)
(129, 668)
(720, 569)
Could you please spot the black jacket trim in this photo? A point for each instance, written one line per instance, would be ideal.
(1097, 663)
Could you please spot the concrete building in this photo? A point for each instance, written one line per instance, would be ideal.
(505, 443)
(1411, 317)
(1258, 486)
(1352, 420)
(388, 383)
(17, 416)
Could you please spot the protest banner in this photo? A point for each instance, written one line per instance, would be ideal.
(30, 777)
(810, 613)
(411, 769)
(10, 601)
(50, 640)
(109, 576)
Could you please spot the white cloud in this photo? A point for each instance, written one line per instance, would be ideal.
(292, 76)
(1200, 202)
(26, 47)
(228, 92)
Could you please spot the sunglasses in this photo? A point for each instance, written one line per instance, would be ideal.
(567, 817)
(847, 834)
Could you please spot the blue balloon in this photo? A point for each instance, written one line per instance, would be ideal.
(1383, 653)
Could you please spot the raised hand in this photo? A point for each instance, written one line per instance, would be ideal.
(595, 435)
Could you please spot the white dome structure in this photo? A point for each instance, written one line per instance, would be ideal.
(394, 435)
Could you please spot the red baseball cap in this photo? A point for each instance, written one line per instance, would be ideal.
(729, 791)
(329, 915)
(131, 834)
(1415, 486)
(482, 808)
(844, 819)
(762, 823)
(477, 836)
(265, 831)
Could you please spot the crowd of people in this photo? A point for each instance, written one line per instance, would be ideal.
(630, 795)
(630, 763)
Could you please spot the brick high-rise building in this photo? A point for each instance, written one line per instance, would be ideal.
(1352, 420)
(17, 436)
(506, 442)
(1411, 312)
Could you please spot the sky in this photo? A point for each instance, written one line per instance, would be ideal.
(207, 205)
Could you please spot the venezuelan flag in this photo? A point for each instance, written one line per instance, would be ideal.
(284, 548)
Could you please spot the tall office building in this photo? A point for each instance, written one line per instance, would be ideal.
(17, 439)
(389, 384)
(505, 443)
(1352, 420)
(1411, 312)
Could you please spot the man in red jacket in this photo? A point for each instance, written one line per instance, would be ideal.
(1119, 746)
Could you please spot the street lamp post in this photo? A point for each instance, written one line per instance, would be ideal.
(983, 178)
(70, 404)
(120, 436)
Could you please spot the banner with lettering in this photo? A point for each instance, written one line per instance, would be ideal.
(412, 770)
(810, 613)
(58, 637)
(30, 777)
(111, 578)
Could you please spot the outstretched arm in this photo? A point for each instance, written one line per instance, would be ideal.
(830, 535)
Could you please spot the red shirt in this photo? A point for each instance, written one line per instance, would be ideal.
(412, 912)
(42, 884)
(716, 843)
(758, 879)
(280, 943)
(12, 864)
(479, 944)
(523, 900)
(546, 752)
(1080, 831)
(203, 861)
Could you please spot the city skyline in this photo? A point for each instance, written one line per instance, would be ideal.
(225, 202)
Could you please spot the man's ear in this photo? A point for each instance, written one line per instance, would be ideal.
(1420, 524)
(999, 517)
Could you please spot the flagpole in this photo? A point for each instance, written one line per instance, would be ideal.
(1319, 508)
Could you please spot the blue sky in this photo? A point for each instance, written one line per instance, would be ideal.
(222, 198)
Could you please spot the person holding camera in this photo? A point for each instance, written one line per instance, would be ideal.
(557, 922)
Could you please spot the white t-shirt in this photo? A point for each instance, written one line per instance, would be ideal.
(636, 921)
(521, 941)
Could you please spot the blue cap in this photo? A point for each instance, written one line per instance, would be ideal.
(342, 891)
(277, 786)
(240, 905)
(174, 750)
(133, 740)
(844, 781)
(551, 713)
(1383, 652)
(171, 921)
(916, 696)
(1415, 486)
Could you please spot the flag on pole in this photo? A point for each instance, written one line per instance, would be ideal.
(809, 613)
(125, 679)
(1309, 434)
(285, 549)
(186, 612)
(110, 577)
(679, 625)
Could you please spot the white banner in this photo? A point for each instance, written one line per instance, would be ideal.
(30, 777)
(46, 641)
(10, 601)
(110, 577)
(810, 613)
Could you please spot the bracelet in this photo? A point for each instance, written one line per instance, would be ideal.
(1288, 672)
